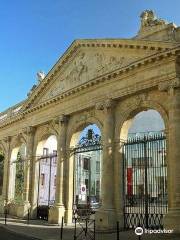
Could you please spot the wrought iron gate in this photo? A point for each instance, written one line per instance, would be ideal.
(145, 181)
(46, 183)
(87, 161)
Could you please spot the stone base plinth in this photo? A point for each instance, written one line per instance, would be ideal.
(120, 219)
(2, 204)
(172, 220)
(68, 216)
(22, 210)
(106, 219)
(55, 214)
(19, 209)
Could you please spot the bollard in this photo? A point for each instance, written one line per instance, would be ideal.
(117, 230)
(28, 216)
(62, 225)
(86, 227)
(75, 229)
(5, 216)
(94, 229)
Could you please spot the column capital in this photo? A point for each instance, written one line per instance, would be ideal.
(105, 104)
(27, 131)
(7, 139)
(30, 130)
(170, 84)
(63, 119)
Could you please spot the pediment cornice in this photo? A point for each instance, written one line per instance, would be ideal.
(100, 43)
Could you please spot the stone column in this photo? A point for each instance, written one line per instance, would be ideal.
(57, 211)
(7, 154)
(172, 219)
(106, 216)
(118, 181)
(6, 180)
(25, 206)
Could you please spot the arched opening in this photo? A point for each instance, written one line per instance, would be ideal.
(46, 154)
(16, 187)
(1, 171)
(144, 170)
(86, 161)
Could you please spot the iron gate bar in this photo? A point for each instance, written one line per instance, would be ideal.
(146, 182)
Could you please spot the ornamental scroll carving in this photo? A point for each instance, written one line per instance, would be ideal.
(84, 67)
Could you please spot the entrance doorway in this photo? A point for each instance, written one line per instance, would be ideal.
(145, 173)
(47, 167)
(145, 181)
(87, 174)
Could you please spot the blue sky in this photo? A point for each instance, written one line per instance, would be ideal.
(34, 34)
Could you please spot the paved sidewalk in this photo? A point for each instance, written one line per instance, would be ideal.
(42, 230)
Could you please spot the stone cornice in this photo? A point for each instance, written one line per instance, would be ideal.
(122, 72)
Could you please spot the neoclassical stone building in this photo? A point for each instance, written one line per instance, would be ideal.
(104, 82)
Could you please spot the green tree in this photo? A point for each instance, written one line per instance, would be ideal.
(19, 182)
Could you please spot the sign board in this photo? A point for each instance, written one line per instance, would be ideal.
(83, 189)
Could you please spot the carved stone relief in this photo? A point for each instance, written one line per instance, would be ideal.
(149, 19)
(84, 67)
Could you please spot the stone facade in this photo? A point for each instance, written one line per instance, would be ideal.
(105, 82)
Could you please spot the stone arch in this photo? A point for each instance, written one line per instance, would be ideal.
(75, 127)
(18, 140)
(43, 133)
(133, 109)
(130, 108)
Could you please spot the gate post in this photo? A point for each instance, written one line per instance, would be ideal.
(172, 219)
(57, 211)
(106, 216)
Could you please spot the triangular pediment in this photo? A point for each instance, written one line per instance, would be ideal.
(88, 59)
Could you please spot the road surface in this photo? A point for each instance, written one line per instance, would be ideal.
(7, 235)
